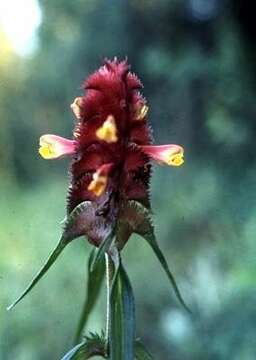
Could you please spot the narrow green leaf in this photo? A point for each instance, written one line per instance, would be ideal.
(92, 345)
(141, 353)
(115, 257)
(103, 248)
(152, 241)
(71, 231)
(51, 259)
(122, 317)
(142, 225)
(95, 279)
(73, 353)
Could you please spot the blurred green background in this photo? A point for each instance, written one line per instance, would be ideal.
(196, 59)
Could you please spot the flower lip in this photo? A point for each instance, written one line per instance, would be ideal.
(171, 154)
(108, 131)
(54, 146)
(100, 179)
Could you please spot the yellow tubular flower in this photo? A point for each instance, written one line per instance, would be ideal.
(98, 184)
(141, 112)
(76, 107)
(108, 131)
(172, 154)
(100, 179)
(53, 146)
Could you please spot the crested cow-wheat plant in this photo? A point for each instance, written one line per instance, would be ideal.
(108, 200)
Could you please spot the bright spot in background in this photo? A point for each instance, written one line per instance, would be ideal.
(19, 20)
(177, 325)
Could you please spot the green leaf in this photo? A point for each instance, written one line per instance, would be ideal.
(115, 257)
(103, 248)
(51, 259)
(122, 317)
(73, 353)
(140, 220)
(152, 241)
(71, 231)
(92, 345)
(141, 353)
(95, 279)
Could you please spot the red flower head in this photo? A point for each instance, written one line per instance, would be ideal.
(108, 197)
(111, 152)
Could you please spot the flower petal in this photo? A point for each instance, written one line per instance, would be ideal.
(98, 184)
(100, 179)
(76, 107)
(53, 146)
(172, 154)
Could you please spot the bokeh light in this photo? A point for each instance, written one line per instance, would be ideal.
(19, 20)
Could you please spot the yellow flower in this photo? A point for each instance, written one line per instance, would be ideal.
(108, 131)
(98, 184)
(100, 179)
(172, 155)
(53, 146)
(76, 107)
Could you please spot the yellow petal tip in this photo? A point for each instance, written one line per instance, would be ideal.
(53, 146)
(46, 149)
(176, 159)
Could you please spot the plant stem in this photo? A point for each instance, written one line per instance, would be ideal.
(109, 276)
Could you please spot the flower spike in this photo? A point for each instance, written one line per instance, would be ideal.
(172, 155)
(53, 146)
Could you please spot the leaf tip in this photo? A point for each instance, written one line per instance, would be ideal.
(10, 307)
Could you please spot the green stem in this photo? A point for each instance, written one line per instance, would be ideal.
(109, 277)
(108, 294)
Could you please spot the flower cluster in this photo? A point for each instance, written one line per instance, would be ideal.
(111, 147)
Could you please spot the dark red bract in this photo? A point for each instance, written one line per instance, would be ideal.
(111, 91)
